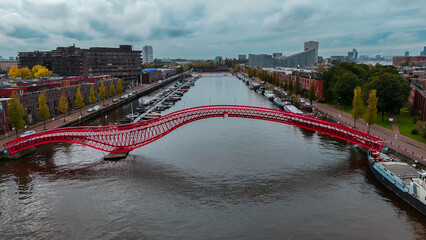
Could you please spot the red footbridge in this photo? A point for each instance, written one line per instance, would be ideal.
(124, 138)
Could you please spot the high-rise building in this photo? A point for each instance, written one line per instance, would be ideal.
(277, 55)
(242, 57)
(218, 59)
(353, 54)
(423, 53)
(148, 54)
(312, 45)
(406, 54)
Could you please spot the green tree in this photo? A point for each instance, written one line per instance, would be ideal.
(79, 102)
(357, 105)
(290, 85)
(111, 89)
(343, 89)
(371, 110)
(119, 87)
(297, 86)
(43, 109)
(392, 91)
(15, 113)
(285, 85)
(63, 104)
(311, 94)
(102, 92)
(92, 97)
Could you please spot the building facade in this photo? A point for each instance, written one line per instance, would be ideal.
(122, 62)
(148, 54)
(397, 60)
(242, 57)
(303, 59)
(312, 45)
(6, 64)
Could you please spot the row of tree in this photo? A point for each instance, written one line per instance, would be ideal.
(17, 117)
(25, 73)
(340, 81)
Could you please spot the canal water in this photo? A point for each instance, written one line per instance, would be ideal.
(210, 179)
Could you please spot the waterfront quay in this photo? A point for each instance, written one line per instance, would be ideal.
(217, 178)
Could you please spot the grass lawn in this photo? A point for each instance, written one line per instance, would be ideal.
(385, 123)
(405, 125)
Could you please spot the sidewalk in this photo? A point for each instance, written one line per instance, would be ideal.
(73, 115)
(400, 143)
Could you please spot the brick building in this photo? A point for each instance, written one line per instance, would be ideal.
(6, 64)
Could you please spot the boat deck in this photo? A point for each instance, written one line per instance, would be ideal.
(401, 170)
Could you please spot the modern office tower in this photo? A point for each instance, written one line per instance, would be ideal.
(277, 55)
(406, 54)
(312, 45)
(242, 57)
(148, 54)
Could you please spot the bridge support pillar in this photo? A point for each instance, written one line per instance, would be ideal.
(118, 156)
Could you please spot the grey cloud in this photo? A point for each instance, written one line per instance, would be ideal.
(159, 33)
(103, 28)
(26, 33)
(77, 35)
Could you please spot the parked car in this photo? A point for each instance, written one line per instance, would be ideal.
(91, 110)
(96, 108)
(27, 133)
(301, 100)
(115, 100)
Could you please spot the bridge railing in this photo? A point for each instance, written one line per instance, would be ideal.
(126, 137)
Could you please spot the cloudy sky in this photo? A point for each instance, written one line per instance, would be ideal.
(205, 29)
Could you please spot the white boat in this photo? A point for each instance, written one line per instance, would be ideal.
(292, 109)
(401, 178)
(269, 94)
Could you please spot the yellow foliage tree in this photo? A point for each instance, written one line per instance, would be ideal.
(357, 105)
(15, 113)
(119, 87)
(63, 104)
(102, 92)
(79, 101)
(92, 97)
(43, 109)
(111, 89)
(43, 72)
(35, 69)
(25, 73)
(13, 72)
(371, 111)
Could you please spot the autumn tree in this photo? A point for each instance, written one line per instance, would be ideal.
(63, 104)
(357, 105)
(79, 102)
(43, 109)
(119, 87)
(371, 110)
(111, 89)
(25, 73)
(290, 86)
(297, 86)
(102, 92)
(92, 97)
(15, 113)
(311, 94)
(13, 72)
(35, 69)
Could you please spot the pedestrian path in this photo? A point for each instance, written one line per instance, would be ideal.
(404, 145)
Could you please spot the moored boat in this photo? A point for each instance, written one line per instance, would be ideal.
(292, 109)
(281, 102)
(401, 178)
(269, 94)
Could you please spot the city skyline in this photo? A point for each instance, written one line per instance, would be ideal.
(198, 30)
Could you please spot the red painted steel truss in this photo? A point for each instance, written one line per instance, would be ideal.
(123, 138)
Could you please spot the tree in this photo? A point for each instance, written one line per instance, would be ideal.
(290, 85)
(392, 91)
(43, 109)
(119, 87)
(297, 86)
(13, 72)
(421, 128)
(102, 92)
(92, 97)
(63, 104)
(111, 89)
(285, 85)
(343, 89)
(79, 102)
(35, 69)
(371, 110)
(15, 113)
(42, 72)
(357, 105)
(311, 94)
(25, 73)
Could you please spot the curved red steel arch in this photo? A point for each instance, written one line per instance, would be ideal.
(123, 138)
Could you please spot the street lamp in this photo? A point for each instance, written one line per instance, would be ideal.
(53, 122)
(340, 118)
(106, 117)
(79, 120)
